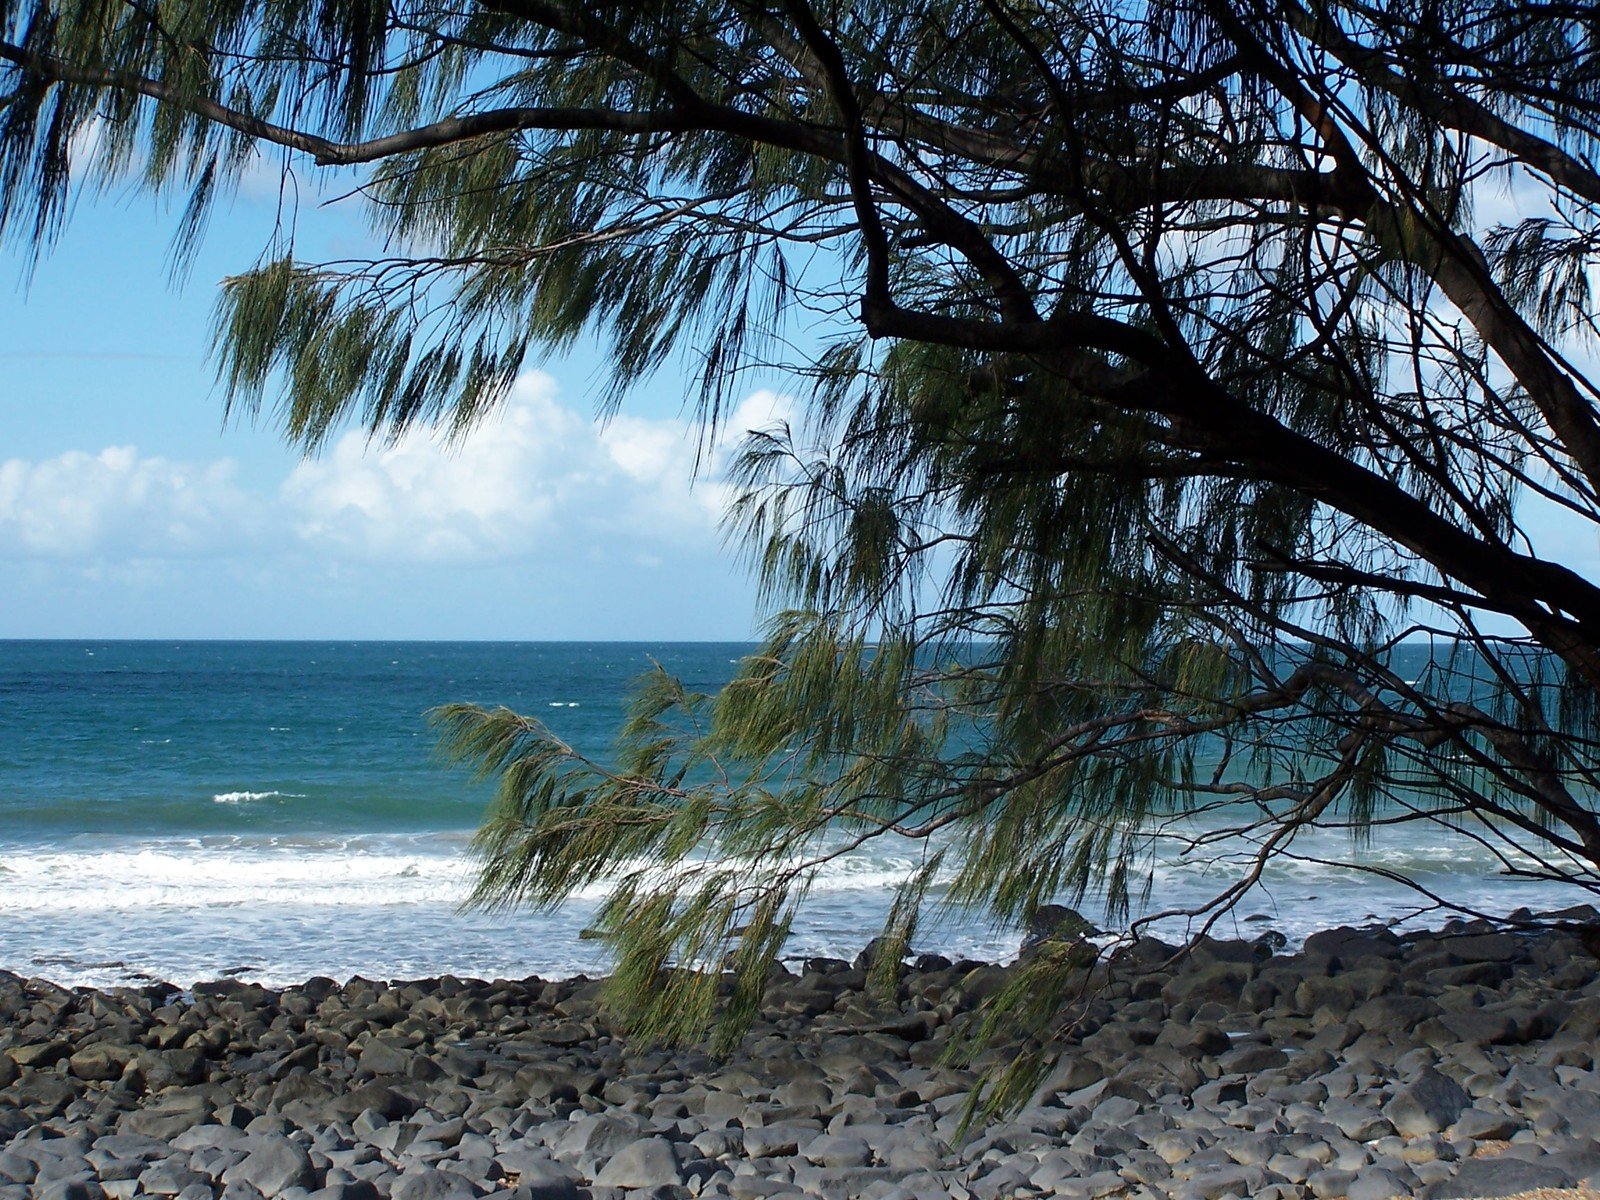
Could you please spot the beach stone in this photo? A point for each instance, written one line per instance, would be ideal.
(1218, 981)
(1357, 1122)
(1483, 948)
(15, 1168)
(39, 1055)
(838, 1150)
(100, 1062)
(1228, 1090)
(430, 1183)
(1499, 1175)
(376, 1098)
(772, 1141)
(1480, 1124)
(602, 1135)
(273, 1165)
(544, 1181)
(69, 1189)
(381, 1056)
(1345, 944)
(1393, 1010)
(1377, 1183)
(1224, 1181)
(344, 1189)
(913, 1154)
(1429, 1104)
(1054, 922)
(167, 1120)
(169, 1179)
(1576, 1109)
(647, 1163)
(1330, 1184)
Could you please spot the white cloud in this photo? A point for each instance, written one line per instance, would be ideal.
(539, 480)
(538, 477)
(120, 504)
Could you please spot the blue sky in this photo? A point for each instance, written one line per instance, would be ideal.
(129, 508)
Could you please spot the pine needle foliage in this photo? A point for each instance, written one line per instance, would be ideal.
(1165, 366)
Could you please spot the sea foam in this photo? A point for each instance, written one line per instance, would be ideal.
(251, 797)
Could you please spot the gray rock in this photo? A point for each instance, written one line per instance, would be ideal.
(430, 1183)
(1049, 922)
(1480, 1027)
(1483, 948)
(601, 1135)
(382, 1056)
(1219, 1092)
(1576, 1109)
(69, 1189)
(101, 1062)
(1377, 1184)
(771, 1141)
(1356, 1121)
(1218, 981)
(1394, 1011)
(1429, 1104)
(545, 1181)
(15, 1168)
(1326, 1185)
(1347, 945)
(273, 1165)
(175, 1113)
(1229, 1180)
(838, 1150)
(199, 1137)
(170, 1179)
(345, 1189)
(1500, 1175)
(39, 1055)
(1482, 1125)
(647, 1163)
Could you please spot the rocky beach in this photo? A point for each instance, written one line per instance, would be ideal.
(1455, 1063)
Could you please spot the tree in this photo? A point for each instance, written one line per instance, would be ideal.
(1164, 373)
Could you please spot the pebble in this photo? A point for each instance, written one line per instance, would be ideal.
(1366, 1066)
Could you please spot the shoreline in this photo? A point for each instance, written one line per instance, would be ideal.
(1453, 1063)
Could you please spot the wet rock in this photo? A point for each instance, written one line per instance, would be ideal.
(1218, 981)
(1055, 922)
(1482, 948)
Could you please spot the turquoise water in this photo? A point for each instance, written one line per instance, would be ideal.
(275, 810)
(158, 738)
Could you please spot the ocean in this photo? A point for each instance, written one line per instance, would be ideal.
(275, 810)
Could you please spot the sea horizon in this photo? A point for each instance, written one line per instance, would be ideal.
(274, 809)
